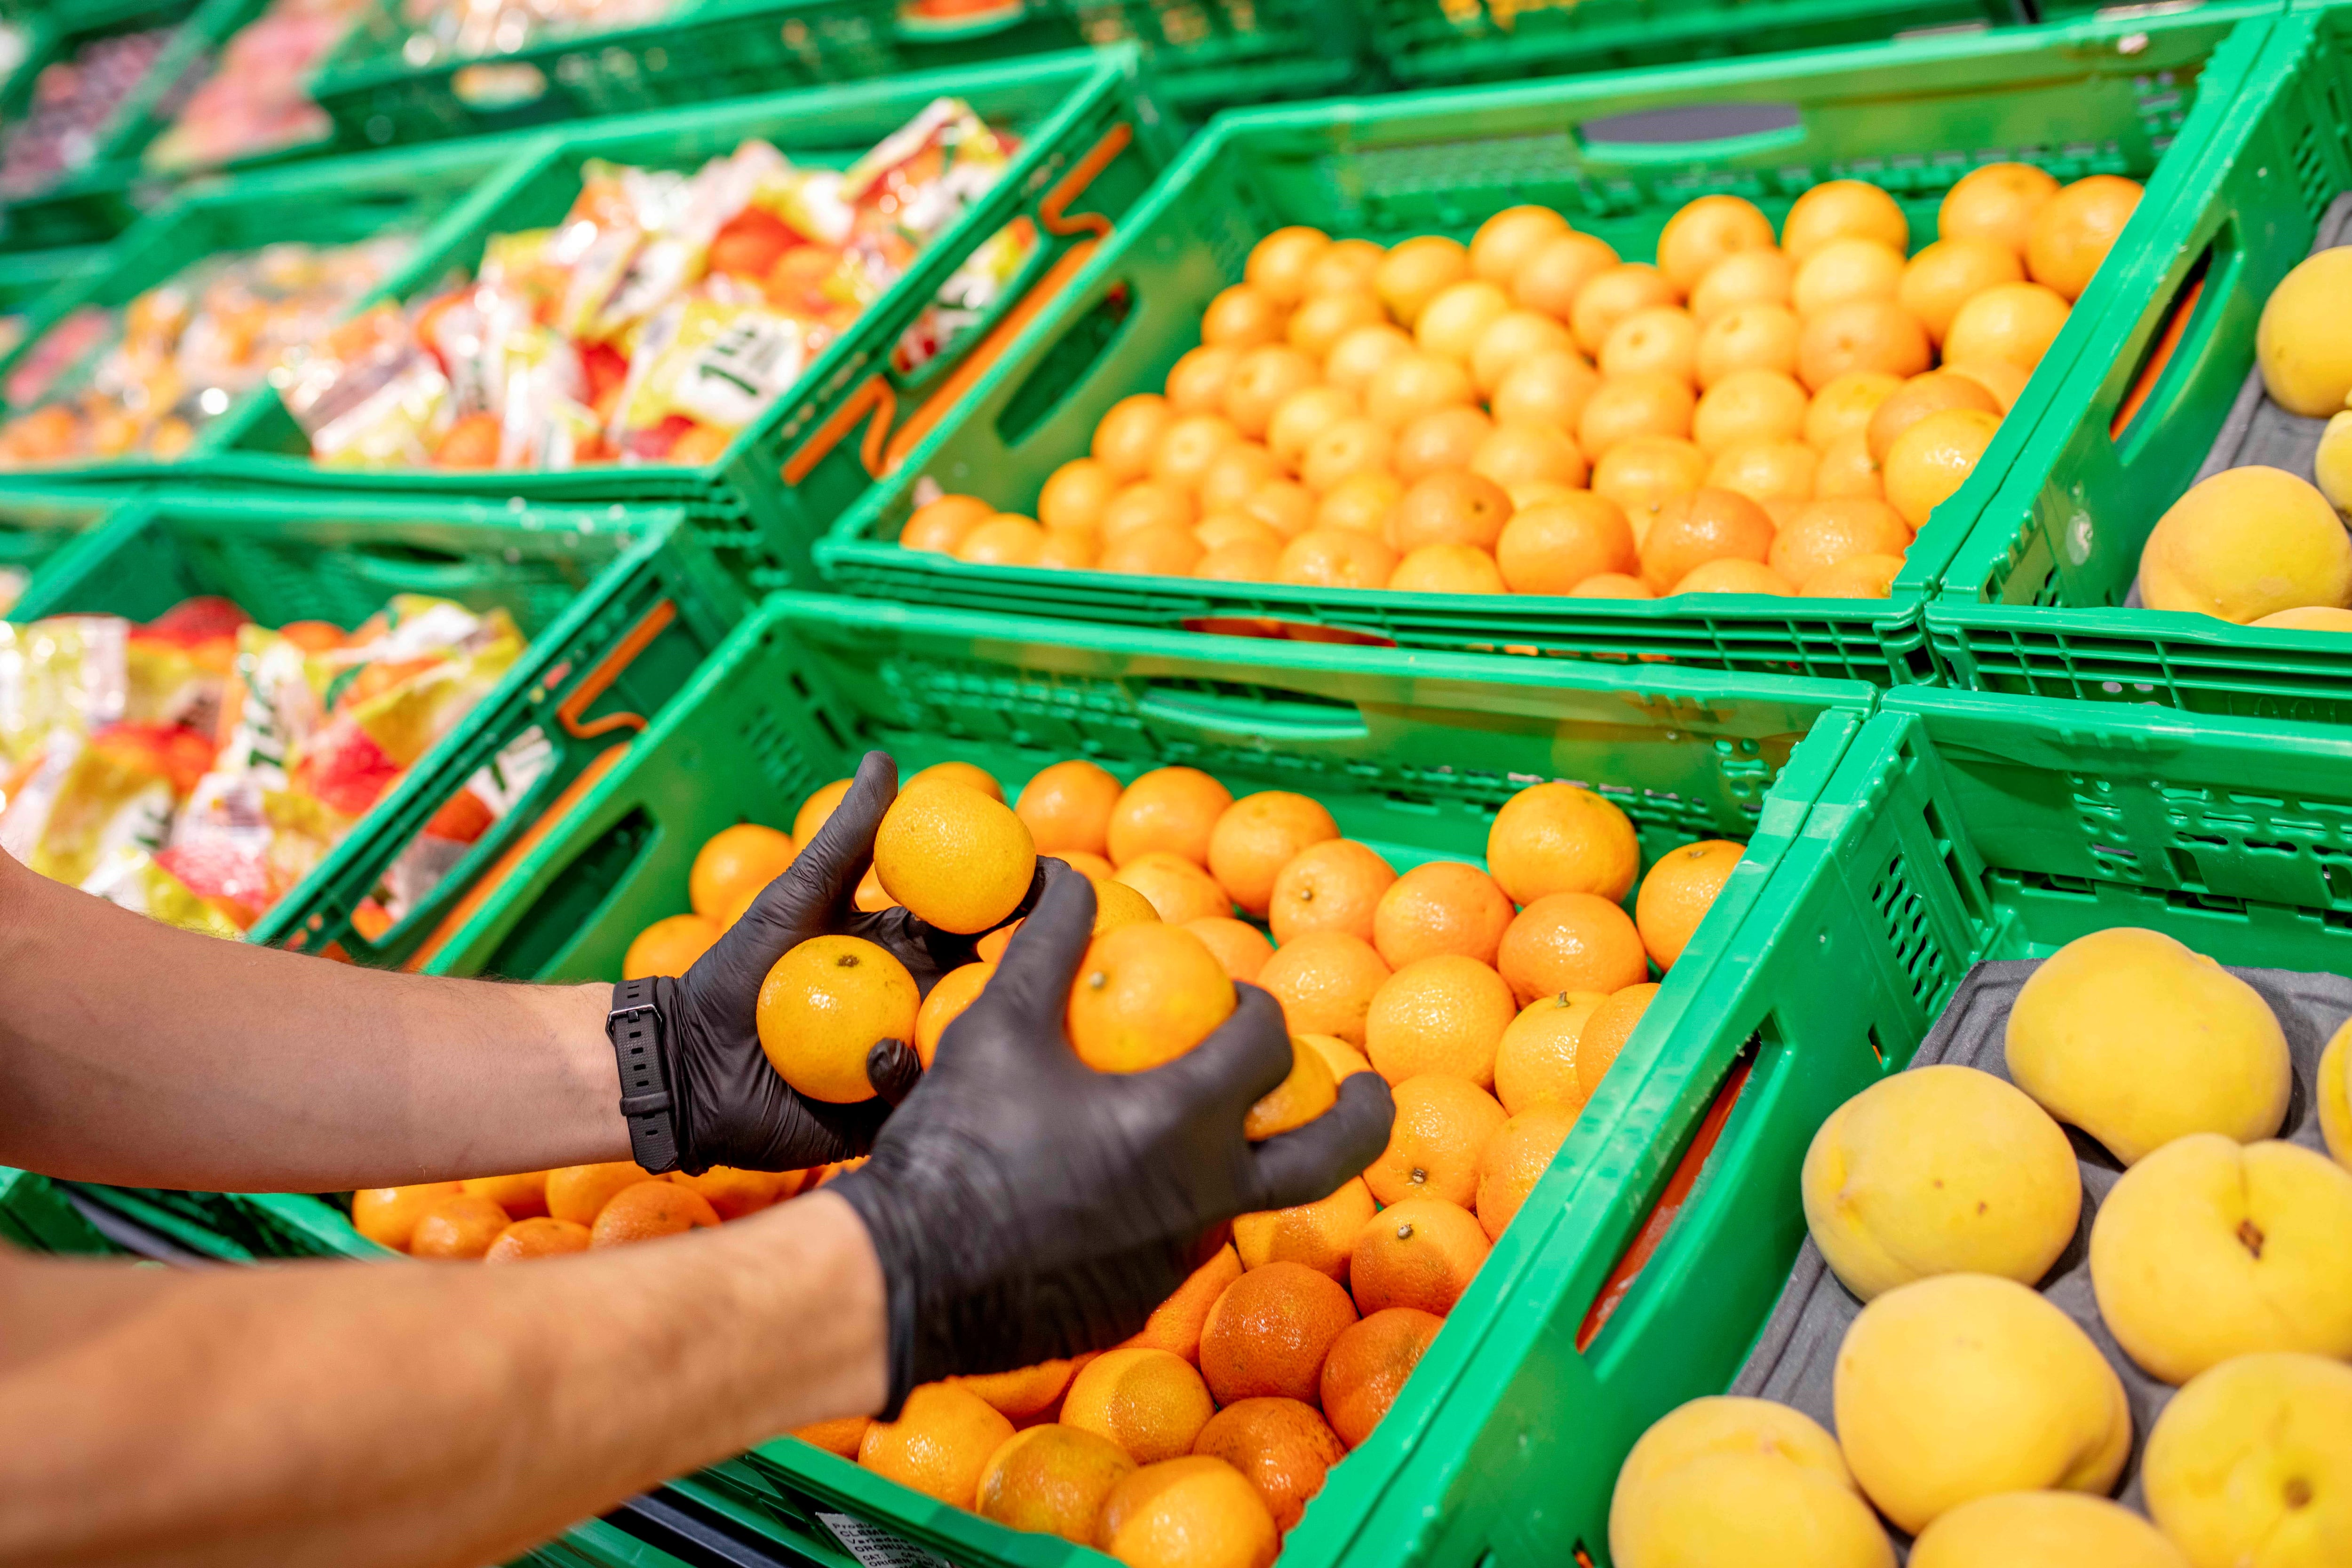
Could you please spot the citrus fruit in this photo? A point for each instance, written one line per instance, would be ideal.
(1417, 1253)
(818, 808)
(1997, 203)
(1145, 994)
(1152, 1403)
(1266, 1335)
(1412, 384)
(1238, 946)
(1611, 295)
(387, 1215)
(1236, 475)
(1658, 339)
(1522, 455)
(732, 1192)
(578, 1193)
(669, 946)
(1360, 504)
(1177, 889)
(1745, 277)
(1934, 458)
(1358, 356)
(1551, 546)
(1306, 1091)
(2010, 323)
(1074, 493)
(523, 1195)
(1511, 340)
(649, 1209)
(1452, 507)
(462, 1226)
(1643, 473)
(942, 525)
(1559, 837)
(1705, 232)
(942, 1441)
(1242, 316)
(1536, 1063)
(1316, 326)
(1325, 981)
(1051, 1480)
(1440, 1014)
(2076, 229)
(1571, 942)
(1344, 1059)
(1367, 1366)
(1344, 263)
(1442, 1123)
(1171, 809)
(1915, 400)
(1440, 907)
(1126, 437)
(1279, 265)
(1862, 335)
(1447, 569)
(1949, 273)
(1509, 240)
(1333, 885)
(1550, 387)
(1319, 1235)
(1196, 385)
(1068, 807)
(1733, 576)
(1439, 441)
(1116, 904)
(1624, 407)
(1844, 406)
(841, 1437)
(1551, 279)
(1451, 324)
(956, 990)
(1071, 550)
(1676, 896)
(1761, 336)
(538, 1237)
(1605, 1033)
(1855, 577)
(1024, 1392)
(1189, 1512)
(1846, 472)
(824, 1004)
(1514, 1158)
(1416, 271)
(1748, 406)
(1284, 1447)
(1174, 1325)
(732, 860)
(1843, 209)
(1004, 539)
(1258, 835)
(954, 857)
(1148, 504)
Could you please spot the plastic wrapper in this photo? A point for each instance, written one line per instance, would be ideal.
(454, 28)
(252, 101)
(74, 101)
(13, 579)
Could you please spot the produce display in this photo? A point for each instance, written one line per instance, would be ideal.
(1492, 1001)
(444, 29)
(1752, 412)
(254, 100)
(73, 100)
(144, 379)
(665, 314)
(195, 768)
(1975, 1409)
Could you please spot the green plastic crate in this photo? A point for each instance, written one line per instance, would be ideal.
(1958, 828)
(36, 523)
(1092, 140)
(1208, 55)
(620, 604)
(1913, 116)
(2033, 602)
(433, 194)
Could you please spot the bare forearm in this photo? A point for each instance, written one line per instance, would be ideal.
(414, 1414)
(147, 1056)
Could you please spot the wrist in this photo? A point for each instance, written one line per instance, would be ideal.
(832, 1244)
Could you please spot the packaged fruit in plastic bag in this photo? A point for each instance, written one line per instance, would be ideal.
(254, 100)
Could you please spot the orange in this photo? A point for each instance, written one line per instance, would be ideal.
(1847, 472)
(953, 856)
(1145, 504)
(841, 1437)
(650, 1210)
(577, 1193)
(1280, 264)
(1190, 1512)
(1861, 335)
(1611, 295)
(1932, 459)
(1998, 204)
(1349, 447)
(1660, 339)
(1076, 493)
(1511, 340)
(1344, 263)
(670, 946)
(1948, 273)
(1826, 532)
(1306, 1091)
(942, 1441)
(1361, 503)
(1285, 504)
(1748, 405)
(824, 1006)
(1325, 981)
(1410, 385)
(1417, 1253)
(1145, 994)
(1840, 209)
(1526, 452)
(1440, 907)
(1548, 388)
(1126, 437)
(1733, 575)
(1051, 1480)
(1190, 443)
(459, 1226)
(1855, 577)
(1176, 890)
(1152, 1403)
(1434, 442)
(734, 859)
(1508, 242)
(1368, 1367)
(1766, 471)
(1262, 381)
(1708, 524)
(1258, 835)
(1358, 356)
(732, 1194)
(1450, 508)
(1239, 472)
(1304, 415)
(1745, 277)
(1320, 322)
(1415, 272)
(1842, 270)
(1559, 837)
(1336, 557)
(1240, 947)
(1268, 1334)
(1550, 278)
(387, 1215)
(1536, 1063)
(956, 990)
(539, 1237)
(1612, 585)
(1196, 382)
(1162, 549)
(2011, 323)
(1024, 1392)
(1243, 318)
(1706, 231)
(1457, 316)
(1333, 885)
(1760, 336)
(1605, 1033)
(1091, 866)
(969, 775)
(1676, 894)
(1175, 1323)
(2006, 381)
(869, 896)
(1004, 539)
(942, 525)
(1640, 476)
(1319, 1235)
(1170, 809)
(1843, 406)
(1447, 569)
(817, 809)
(1915, 400)
(1068, 807)
(1283, 1445)
(1514, 1159)
(523, 1195)
(2074, 230)
(1440, 1014)
(1552, 546)
(1442, 1123)
(1344, 1059)
(1622, 407)
(1571, 942)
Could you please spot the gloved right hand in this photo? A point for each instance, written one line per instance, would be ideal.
(1026, 1206)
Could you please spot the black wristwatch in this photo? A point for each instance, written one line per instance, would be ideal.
(635, 1027)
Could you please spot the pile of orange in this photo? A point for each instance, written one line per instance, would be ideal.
(1532, 414)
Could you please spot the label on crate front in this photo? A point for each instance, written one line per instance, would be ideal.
(878, 1548)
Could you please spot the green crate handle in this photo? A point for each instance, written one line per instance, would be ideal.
(1297, 722)
(1741, 144)
(399, 572)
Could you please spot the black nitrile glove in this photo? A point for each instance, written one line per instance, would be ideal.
(731, 1107)
(1026, 1206)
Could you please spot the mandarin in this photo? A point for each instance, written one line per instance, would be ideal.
(1844, 406)
(1454, 507)
(1551, 279)
(955, 990)
(1439, 907)
(1303, 416)
(1171, 809)
(1658, 339)
(1126, 437)
(840, 1436)
(1766, 471)
(1733, 575)
(670, 946)
(1190, 1512)
(521, 1194)
(459, 1226)
(1284, 1447)
(1624, 407)
(942, 1441)
(1612, 585)
(1336, 557)
(1358, 356)
(1840, 209)
(1548, 388)
(1560, 838)
(1747, 278)
(1846, 270)
(1068, 806)
(1525, 454)
(1306, 1091)
(1571, 942)
(1331, 885)
(818, 808)
(1447, 568)
(953, 856)
(1267, 1336)
(1677, 893)
(1442, 1123)
(1760, 335)
(1825, 532)
(1236, 473)
(1174, 1324)
(1439, 441)
(1416, 271)
(1367, 1366)
(1319, 1235)
(1162, 549)
(1997, 203)
(1361, 503)
(1242, 948)
(1949, 273)
(1846, 473)
(1413, 385)
(1419, 1253)
(1152, 1403)
(1440, 1014)
(1004, 539)
(2076, 229)
(1176, 890)
(1144, 995)
(1025, 1391)
(1711, 523)
(732, 1192)
(1318, 324)
(1346, 263)
(1344, 1059)
(1536, 1063)
(940, 525)
(1325, 981)
(1243, 318)
(1748, 405)
(1915, 400)
(1514, 1159)
(2010, 323)
(1855, 577)
(1051, 1480)
(1610, 296)
(1258, 835)
(578, 1193)
(1509, 240)
(1551, 546)
(1934, 458)
(1278, 265)
(1196, 382)
(1076, 493)
(1861, 335)
(1605, 1033)
(1706, 231)
(1642, 475)
(1263, 380)
(649, 1210)
(538, 1237)
(1453, 320)
(732, 860)
(1345, 449)
(1512, 340)
(824, 1005)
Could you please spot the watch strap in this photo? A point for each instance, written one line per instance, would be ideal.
(635, 1025)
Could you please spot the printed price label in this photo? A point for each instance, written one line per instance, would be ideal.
(878, 1548)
